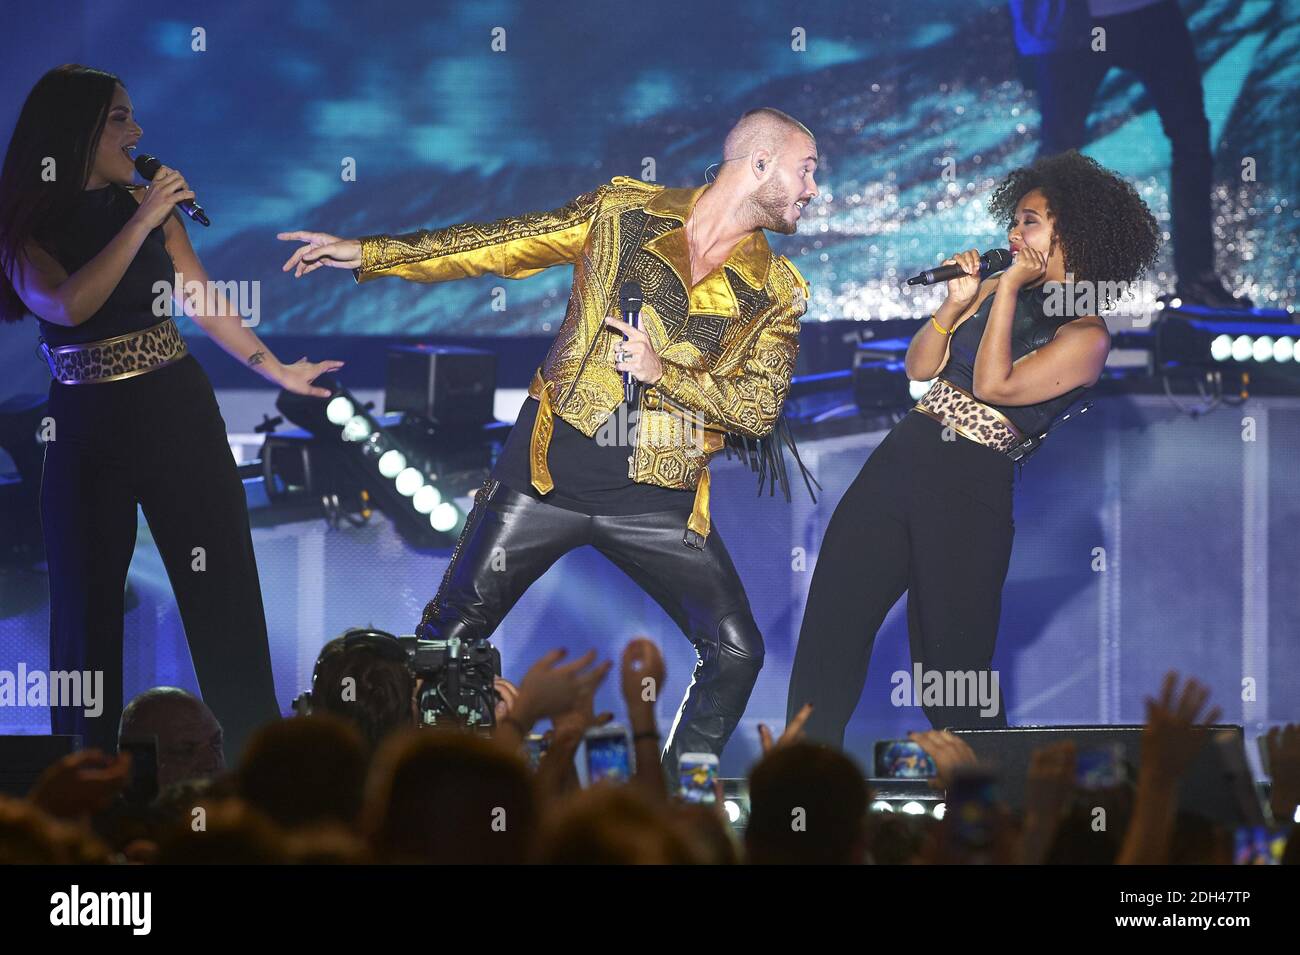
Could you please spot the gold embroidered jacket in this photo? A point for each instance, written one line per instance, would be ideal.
(727, 346)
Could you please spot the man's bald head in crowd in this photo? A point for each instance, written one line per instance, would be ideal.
(189, 736)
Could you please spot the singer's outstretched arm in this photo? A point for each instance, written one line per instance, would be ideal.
(223, 322)
(514, 247)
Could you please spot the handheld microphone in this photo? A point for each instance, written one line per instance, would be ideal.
(994, 260)
(147, 166)
(629, 303)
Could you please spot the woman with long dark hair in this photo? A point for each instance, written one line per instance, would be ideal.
(134, 420)
(930, 513)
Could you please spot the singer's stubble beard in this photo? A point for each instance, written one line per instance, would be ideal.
(768, 207)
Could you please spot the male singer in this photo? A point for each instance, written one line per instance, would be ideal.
(713, 353)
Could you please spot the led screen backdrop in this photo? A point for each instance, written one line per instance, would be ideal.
(442, 128)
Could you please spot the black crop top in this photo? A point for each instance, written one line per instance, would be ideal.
(1031, 329)
(95, 218)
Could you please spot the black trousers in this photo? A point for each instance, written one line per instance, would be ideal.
(510, 540)
(928, 516)
(157, 441)
(1154, 44)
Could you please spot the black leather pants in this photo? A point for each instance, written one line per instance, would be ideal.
(510, 540)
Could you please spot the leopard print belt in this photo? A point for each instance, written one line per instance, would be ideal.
(112, 359)
(970, 418)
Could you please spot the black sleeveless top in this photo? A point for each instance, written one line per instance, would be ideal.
(96, 216)
(1031, 329)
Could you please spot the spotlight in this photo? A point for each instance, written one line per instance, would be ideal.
(391, 463)
(409, 481)
(357, 428)
(339, 410)
(426, 499)
(444, 516)
(402, 463)
(1249, 351)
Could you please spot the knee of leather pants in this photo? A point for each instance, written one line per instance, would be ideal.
(728, 668)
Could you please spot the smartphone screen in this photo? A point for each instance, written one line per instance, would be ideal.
(696, 775)
(972, 811)
(535, 746)
(1101, 768)
(608, 757)
(902, 759)
(1259, 845)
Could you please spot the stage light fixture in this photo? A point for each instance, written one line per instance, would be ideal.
(339, 410)
(444, 517)
(408, 481)
(426, 499)
(1260, 355)
(395, 465)
(392, 463)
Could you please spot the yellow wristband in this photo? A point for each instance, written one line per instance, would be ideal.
(942, 330)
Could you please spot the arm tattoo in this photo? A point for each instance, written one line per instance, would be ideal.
(257, 358)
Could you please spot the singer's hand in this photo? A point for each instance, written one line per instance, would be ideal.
(962, 291)
(1027, 266)
(167, 188)
(639, 357)
(299, 376)
(321, 249)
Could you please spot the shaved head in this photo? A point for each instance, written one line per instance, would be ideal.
(762, 128)
(769, 160)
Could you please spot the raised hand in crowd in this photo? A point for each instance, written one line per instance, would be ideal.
(642, 678)
(1173, 735)
(507, 693)
(81, 784)
(556, 773)
(793, 730)
(1049, 785)
(1282, 746)
(948, 751)
(549, 688)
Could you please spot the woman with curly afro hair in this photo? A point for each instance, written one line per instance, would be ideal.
(930, 513)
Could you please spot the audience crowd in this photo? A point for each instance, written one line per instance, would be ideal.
(359, 780)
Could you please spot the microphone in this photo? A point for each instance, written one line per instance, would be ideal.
(147, 166)
(629, 303)
(994, 260)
